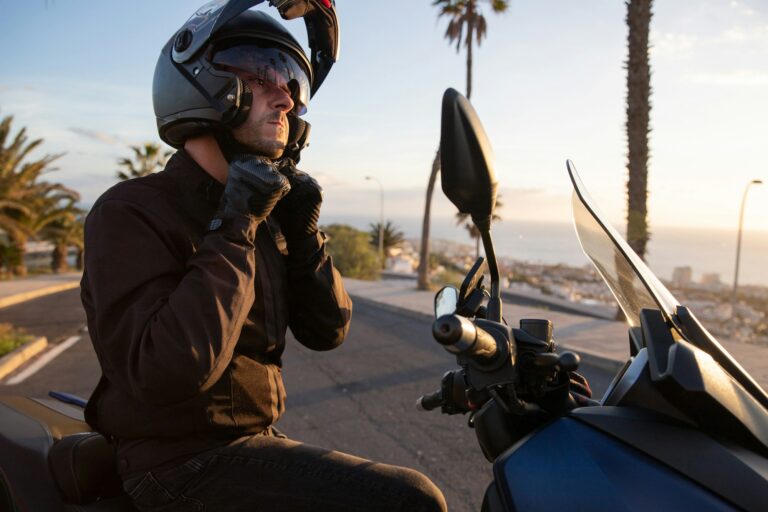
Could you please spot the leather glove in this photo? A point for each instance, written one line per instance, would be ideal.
(299, 211)
(580, 390)
(253, 188)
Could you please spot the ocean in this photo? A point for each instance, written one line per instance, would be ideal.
(706, 251)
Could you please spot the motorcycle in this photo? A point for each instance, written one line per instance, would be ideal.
(682, 426)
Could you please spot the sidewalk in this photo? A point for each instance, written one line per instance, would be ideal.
(603, 343)
(19, 290)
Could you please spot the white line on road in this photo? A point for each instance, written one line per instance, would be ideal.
(43, 360)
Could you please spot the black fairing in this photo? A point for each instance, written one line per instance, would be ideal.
(492, 501)
(692, 380)
(699, 336)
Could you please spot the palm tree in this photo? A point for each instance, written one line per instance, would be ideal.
(638, 115)
(24, 199)
(65, 230)
(466, 25)
(392, 237)
(474, 233)
(146, 159)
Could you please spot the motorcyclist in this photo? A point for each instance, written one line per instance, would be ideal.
(192, 276)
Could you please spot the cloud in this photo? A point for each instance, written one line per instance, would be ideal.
(741, 35)
(738, 78)
(7, 88)
(668, 43)
(742, 8)
(96, 135)
(328, 180)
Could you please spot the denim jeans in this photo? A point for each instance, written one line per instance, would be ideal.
(267, 473)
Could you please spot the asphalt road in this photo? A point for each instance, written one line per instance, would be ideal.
(358, 399)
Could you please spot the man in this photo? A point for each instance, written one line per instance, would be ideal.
(193, 275)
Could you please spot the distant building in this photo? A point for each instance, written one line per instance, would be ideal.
(401, 263)
(710, 279)
(682, 276)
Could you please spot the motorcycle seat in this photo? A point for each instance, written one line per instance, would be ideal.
(57, 459)
(83, 466)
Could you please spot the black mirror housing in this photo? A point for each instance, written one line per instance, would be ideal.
(467, 175)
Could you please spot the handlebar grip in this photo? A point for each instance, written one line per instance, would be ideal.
(459, 335)
(430, 401)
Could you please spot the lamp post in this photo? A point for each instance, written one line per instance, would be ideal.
(738, 247)
(381, 217)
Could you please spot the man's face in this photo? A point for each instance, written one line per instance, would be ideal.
(265, 131)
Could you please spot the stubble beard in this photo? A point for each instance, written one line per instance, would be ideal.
(249, 135)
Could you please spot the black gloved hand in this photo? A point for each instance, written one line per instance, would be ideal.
(254, 186)
(580, 390)
(299, 211)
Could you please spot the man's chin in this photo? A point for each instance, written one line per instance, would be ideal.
(269, 149)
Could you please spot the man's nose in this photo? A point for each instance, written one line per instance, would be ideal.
(281, 100)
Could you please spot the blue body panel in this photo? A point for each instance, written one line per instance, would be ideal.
(570, 466)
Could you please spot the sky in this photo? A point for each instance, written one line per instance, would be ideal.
(549, 85)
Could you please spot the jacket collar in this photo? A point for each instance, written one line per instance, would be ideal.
(193, 179)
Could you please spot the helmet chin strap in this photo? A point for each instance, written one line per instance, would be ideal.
(298, 137)
(229, 145)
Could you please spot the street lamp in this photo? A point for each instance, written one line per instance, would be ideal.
(738, 247)
(381, 217)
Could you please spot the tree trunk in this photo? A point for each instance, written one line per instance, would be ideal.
(423, 270)
(469, 57)
(79, 259)
(638, 115)
(59, 258)
(16, 264)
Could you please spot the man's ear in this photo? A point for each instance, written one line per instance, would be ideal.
(298, 137)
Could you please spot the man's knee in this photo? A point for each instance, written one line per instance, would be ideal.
(426, 497)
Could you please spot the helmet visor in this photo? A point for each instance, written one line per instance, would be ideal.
(253, 62)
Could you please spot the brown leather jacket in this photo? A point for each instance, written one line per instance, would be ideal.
(189, 325)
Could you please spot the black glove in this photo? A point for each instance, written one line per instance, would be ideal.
(253, 188)
(580, 390)
(299, 211)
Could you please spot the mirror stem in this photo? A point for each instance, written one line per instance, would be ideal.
(494, 303)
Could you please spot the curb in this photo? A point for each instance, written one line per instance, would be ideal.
(34, 294)
(415, 315)
(591, 358)
(16, 358)
(588, 357)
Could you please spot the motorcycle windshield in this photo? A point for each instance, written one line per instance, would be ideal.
(630, 280)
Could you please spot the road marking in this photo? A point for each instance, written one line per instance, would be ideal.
(44, 360)
(36, 294)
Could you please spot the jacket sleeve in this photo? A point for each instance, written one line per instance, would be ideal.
(164, 328)
(318, 306)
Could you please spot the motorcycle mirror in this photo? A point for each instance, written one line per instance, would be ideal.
(467, 177)
(446, 301)
(467, 174)
(473, 278)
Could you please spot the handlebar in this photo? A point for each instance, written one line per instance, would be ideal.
(460, 336)
(430, 401)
